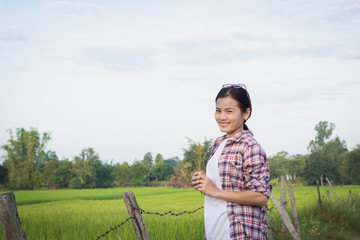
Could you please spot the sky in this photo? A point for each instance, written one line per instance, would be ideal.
(131, 77)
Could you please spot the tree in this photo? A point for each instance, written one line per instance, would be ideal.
(295, 165)
(90, 172)
(3, 174)
(158, 158)
(332, 155)
(121, 174)
(350, 167)
(52, 164)
(103, 173)
(174, 161)
(282, 163)
(64, 173)
(24, 154)
(324, 131)
(166, 171)
(161, 172)
(148, 160)
(325, 162)
(84, 169)
(279, 164)
(138, 173)
(312, 168)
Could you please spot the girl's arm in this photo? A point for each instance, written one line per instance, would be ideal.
(206, 186)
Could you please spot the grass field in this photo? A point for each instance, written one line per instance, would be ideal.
(86, 214)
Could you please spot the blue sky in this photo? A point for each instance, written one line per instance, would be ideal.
(129, 77)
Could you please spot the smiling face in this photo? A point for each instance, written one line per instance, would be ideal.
(229, 116)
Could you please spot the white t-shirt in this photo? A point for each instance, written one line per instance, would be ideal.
(217, 226)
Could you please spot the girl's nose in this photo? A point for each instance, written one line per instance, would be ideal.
(222, 116)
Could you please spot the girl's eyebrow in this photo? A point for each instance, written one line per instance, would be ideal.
(226, 108)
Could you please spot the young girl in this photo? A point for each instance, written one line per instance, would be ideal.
(236, 184)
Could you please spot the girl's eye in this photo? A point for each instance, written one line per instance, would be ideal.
(229, 111)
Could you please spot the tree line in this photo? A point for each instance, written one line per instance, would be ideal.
(28, 165)
(328, 157)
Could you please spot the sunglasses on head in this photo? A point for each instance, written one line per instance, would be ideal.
(236, 85)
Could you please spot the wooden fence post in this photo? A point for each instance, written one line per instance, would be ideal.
(136, 217)
(269, 234)
(286, 218)
(329, 198)
(317, 186)
(349, 198)
(354, 195)
(293, 207)
(9, 218)
(283, 198)
(322, 180)
(333, 190)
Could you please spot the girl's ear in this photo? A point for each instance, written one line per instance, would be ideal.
(247, 114)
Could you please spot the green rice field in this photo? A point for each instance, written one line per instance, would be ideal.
(88, 213)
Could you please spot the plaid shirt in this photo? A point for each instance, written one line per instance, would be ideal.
(243, 166)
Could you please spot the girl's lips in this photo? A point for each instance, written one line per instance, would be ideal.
(223, 124)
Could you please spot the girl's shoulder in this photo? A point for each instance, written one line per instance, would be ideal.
(246, 142)
(244, 137)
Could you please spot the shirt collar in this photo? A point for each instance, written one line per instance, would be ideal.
(237, 137)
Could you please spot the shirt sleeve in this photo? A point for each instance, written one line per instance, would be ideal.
(256, 170)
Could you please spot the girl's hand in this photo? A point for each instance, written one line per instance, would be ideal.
(194, 178)
(204, 184)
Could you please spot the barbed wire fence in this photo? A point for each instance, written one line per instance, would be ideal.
(135, 213)
(269, 209)
(113, 228)
(139, 225)
(180, 214)
(170, 212)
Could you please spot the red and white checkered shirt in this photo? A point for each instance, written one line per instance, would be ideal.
(243, 166)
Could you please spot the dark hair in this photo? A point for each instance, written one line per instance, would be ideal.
(241, 96)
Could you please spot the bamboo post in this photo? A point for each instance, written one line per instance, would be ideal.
(329, 198)
(322, 180)
(9, 218)
(317, 186)
(286, 219)
(293, 208)
(269, 234)
(283, 199)
(354, 195)
(136, 217)
(349, 198)
(333, 190)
